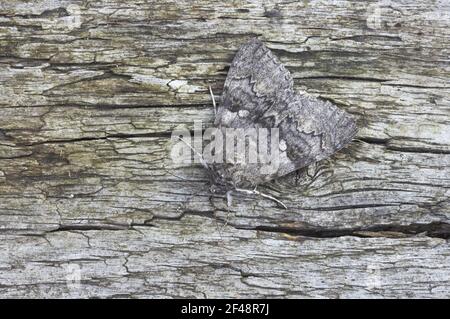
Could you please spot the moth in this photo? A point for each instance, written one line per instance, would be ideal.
(258, 94)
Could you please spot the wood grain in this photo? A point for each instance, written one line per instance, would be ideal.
(90, 92)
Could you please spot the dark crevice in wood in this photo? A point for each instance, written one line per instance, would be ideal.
(342, 78)
(417, 86)
(363, 37)
(101, 107)
(406, 149)
(374, 140)
(412, 149)
(369, 140)
(434, 230)
(83, 139)
(88, 227)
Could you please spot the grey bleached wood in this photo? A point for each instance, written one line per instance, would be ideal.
(190, 258)
(90, 91)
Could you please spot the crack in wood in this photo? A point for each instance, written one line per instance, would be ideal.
(433, 230)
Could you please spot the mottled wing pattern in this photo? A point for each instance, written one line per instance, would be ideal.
(256, 82)
(258, 93)
(312, 130)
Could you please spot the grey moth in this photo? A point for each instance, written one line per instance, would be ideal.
(258, 94)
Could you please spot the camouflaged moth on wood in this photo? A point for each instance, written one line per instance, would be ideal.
(259, 93)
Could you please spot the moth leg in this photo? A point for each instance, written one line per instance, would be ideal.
(225, 222)
(255, 192)
(276, 200)
(213, 100)
(230, 198)
(205, 165)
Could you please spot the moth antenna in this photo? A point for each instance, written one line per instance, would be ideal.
(365, 142)
(213, 100)
(255, 192)
(196, 152)
(168, 172)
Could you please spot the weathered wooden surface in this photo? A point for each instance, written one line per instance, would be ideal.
(90, 92)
